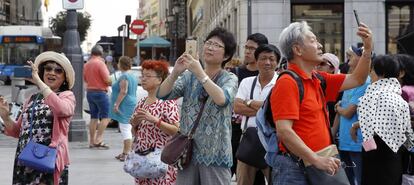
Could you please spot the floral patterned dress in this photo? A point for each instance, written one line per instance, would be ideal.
(41, 133)
(149, 136)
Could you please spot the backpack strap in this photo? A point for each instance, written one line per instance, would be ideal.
(322, 80)
(237, 70)
(298, 82)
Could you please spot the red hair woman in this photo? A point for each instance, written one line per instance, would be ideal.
(154, 120)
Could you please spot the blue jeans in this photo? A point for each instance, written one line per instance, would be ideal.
(286, 171)
(98, 104)
(353, 173)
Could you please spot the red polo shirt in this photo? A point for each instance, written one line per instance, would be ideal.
(309, 121)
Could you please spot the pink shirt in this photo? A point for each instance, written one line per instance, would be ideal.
(63, 108)
(96, 74)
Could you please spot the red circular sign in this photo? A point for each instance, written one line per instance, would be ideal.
(138, 26)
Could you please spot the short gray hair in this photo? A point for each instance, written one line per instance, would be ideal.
(97, 50)
(293, 34)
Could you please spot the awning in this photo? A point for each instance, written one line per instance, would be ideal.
(154, 42)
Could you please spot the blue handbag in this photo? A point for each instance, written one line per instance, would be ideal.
(37, 156)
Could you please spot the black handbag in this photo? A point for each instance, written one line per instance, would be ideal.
(250, 149)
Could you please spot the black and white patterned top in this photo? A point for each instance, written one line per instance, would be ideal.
(382, 111)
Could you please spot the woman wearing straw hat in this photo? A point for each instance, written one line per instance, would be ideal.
(45, 117)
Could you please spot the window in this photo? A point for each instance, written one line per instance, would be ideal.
(399, 19)
(326, 21)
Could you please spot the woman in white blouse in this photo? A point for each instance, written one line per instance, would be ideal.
(384, 120)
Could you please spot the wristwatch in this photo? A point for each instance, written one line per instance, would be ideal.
(249, 102)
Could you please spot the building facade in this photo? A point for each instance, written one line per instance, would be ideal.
(331, 20)
(20, 12)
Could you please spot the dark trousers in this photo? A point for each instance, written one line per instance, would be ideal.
(381, 166)
(235, 141)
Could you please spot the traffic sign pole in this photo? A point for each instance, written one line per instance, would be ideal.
(138, 27)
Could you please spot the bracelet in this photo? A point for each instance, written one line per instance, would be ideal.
(204, 80)
(44, 89)
(158, 124)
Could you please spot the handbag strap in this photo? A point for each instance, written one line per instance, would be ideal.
(32, 115)
(251, 97)
(203, 103)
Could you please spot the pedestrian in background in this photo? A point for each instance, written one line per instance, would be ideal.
(349, 149)
(302, 125)
(330, 65)
(123, 101)
(96, 77)
(45, 116)
(267, 57)
(154, 120)
(406, 79)
(384, 120)
(249, 68)
(212, 154)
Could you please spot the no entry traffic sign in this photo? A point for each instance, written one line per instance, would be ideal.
(138, 26)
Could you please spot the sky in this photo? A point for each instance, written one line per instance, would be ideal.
(106, 15)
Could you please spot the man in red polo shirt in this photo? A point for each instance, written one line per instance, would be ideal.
(302, 126)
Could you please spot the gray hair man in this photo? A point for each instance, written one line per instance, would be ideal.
(302, 123)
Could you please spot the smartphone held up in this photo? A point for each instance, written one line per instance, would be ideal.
(23, 72)
(357, 18)
(191, 47)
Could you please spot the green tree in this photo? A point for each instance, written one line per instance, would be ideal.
(58, 24)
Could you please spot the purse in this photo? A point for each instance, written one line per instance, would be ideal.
(37, 156)
(145, 164)
(316, 176)
(250, 150)
(179, 149)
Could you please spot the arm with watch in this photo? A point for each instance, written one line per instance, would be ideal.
(244, 104)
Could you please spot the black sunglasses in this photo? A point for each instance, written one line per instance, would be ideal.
(57, 70)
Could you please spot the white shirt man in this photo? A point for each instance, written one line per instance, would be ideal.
(267, 57)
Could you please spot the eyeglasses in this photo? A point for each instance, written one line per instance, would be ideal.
(272, 59)
(212, 44)
(149, 76)
(344, 165)
(250, 48)
(57, 70)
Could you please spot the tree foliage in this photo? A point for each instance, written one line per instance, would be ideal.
(58, 24)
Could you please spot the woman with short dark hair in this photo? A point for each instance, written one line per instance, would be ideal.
(384, 120)
(212, 152)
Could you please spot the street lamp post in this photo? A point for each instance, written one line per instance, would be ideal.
(72, 50)
(176, 11)
(170, 20)
(122, 28)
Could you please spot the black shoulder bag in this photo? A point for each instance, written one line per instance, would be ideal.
(251, 150)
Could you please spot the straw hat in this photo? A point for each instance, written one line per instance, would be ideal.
(62, 61)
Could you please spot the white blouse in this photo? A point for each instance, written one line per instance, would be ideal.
(382, 111)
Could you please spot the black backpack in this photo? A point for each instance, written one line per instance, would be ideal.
(268, 113)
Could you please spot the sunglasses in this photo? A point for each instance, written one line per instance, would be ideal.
(57, 70)
(325, 64)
